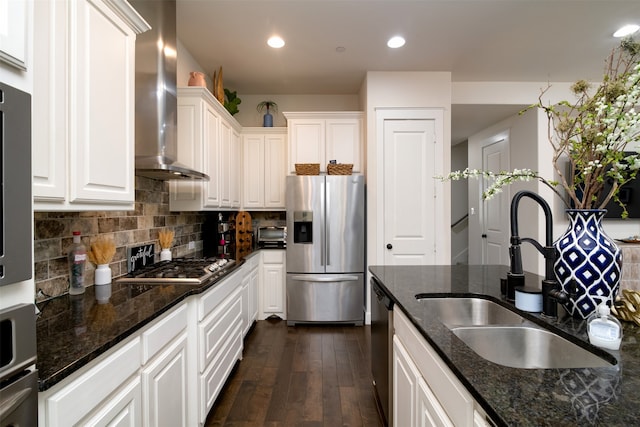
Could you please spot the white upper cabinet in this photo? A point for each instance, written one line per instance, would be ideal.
(83, 104)
(208, 141)
(318, 137)
(264, 168)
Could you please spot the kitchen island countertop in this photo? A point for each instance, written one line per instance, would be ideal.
(519, 397)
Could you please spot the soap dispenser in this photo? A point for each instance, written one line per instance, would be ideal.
(603, 329)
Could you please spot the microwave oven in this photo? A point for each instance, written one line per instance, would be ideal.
(272, 237)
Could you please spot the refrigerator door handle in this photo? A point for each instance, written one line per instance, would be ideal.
(327, 224)
(323, 230)
(321, 278)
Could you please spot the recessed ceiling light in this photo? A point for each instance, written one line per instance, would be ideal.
(396, 42)
(275, 42)
(626, 30)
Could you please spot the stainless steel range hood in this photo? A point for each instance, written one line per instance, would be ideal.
(156, 102)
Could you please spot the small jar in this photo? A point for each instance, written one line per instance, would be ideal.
(165, 255)
(103, 275)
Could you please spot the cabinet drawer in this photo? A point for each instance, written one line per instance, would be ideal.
(75, 400)
(273, 257)
(158, 336)
(215, 330)
(452, 395)
(209, 301)
(215, 376)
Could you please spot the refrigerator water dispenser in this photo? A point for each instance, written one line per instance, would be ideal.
(303, 227)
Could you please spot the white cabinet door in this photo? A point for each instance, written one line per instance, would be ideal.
(236, 168)
(50, 98)
(264, 164)
(318, 137)
(211, 156)
(272, 282)
(208, 141)
(123, 410)
(225, 165)
(246, 315)
(84, 96)
(405, 385)
(275, 171)
(343, 142)
(306, 142)
(253, 165)
(88, 393)
(273, 301)
(253, 294)
(429, 411)
(164, 382)
(102, 139)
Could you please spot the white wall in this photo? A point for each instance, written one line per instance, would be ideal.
(530, 147)
(248, 114)
(523, 137)
(400, 90)
(459, 206)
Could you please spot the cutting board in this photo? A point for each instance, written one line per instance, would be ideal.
(243, 234)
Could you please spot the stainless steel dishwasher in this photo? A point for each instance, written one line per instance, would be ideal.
(381, 350)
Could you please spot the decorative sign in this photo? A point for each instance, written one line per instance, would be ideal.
(139, 256)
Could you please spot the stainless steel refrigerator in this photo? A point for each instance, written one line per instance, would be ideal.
(325, 249)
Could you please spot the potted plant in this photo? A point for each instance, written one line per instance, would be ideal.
(268, 106)
(592, 134)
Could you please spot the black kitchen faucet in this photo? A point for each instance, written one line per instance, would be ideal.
(551, 291)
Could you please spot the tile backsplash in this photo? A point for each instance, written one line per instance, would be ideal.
(53, 235)
(630, 266)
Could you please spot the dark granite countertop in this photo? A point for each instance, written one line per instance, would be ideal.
(520, 397)
(72, 330)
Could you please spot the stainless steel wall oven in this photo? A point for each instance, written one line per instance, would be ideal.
(16, 261)
(18, 352)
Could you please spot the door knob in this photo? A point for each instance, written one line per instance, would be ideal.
(389, 246)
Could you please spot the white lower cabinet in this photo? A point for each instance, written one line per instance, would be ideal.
(250, 292)
(123, 410)
(272, 284)
(167, 374)
(425, 391)
(87, 395)
(219, 339)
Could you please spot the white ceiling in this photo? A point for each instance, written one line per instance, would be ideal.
(476, 40)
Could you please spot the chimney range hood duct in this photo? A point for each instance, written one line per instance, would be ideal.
(156, 101)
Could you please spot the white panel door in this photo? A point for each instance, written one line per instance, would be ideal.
(495, 211)
(409, 191)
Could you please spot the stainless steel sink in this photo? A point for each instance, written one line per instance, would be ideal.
(527, 347)
(502, 336)
(470, 312)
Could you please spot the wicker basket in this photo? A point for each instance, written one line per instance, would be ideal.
(340, 169)
(307, 168)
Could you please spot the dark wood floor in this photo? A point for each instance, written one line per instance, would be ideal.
(300, 376)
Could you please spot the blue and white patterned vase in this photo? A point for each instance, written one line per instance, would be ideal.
(589, 257)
